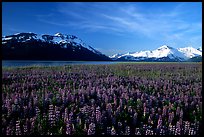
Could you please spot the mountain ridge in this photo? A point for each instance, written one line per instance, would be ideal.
(32, 46)
(168, 52)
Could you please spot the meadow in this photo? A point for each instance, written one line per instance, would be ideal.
(116, 99)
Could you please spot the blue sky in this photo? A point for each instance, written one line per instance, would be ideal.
(110, 27)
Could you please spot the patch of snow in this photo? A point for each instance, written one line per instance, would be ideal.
(58, 34)
(190, 52)
(9, 38)
(115, 55)
(63, 41)
(17, 33)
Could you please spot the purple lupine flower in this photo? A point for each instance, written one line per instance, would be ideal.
(91, 130)
(159, 122)
(57, 113)
(172, 129)
(51, 115)
(108, 130)
(98, 115)
(153, 111)
(92, 118)
(18, 130)
(192, 131)
(137, 131)
(32, 120)
(37, 111)
(109, 108)
(9, 129)
(127, 130)
(71, 117)
(178, 125)
(186, 127)
(144, 128)
(120, 128)
(162, 132)
(150, 120)
(68, 127)
(197, 126)
(164, 111)
(113, 132)
(178, 131)
(149, 132)
(25, 128)
(135, 118)
(65, 114)
(145, 111)
(86, 111)
(78, 120)
(171, 116)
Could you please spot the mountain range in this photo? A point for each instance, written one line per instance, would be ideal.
(163, 53)
(32, 46)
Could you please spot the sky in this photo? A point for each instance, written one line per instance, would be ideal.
(110, 27)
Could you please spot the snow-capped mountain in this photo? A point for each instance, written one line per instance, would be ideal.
(71, 46)
(58, 38)
(190, 52)
(164, 52)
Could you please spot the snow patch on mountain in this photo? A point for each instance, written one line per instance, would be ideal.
(115, 56)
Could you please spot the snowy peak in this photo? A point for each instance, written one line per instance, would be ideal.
(190, 52)
(163, 51)
(167, 51)
(19, 37)
(58, 35)
(164, 47)
(56, 38)
(60, 38)
(115, 56)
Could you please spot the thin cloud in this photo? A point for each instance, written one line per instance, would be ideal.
(55, 23)
(126, 19)
(13, 30)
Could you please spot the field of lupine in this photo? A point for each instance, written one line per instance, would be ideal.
(119, 99)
